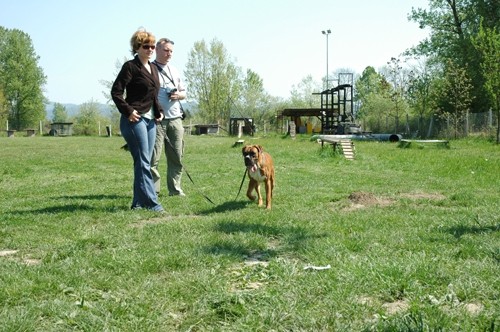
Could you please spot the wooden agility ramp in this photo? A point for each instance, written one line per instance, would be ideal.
(344, 146)
(347, 147)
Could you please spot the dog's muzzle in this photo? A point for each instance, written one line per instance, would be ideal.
(248, 160)
(250, 163)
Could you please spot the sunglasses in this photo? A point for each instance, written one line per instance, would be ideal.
(146, 47)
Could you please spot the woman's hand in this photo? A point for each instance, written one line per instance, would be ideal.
(134, 116)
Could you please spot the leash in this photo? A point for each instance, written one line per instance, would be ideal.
(241, 185)
(182, 164)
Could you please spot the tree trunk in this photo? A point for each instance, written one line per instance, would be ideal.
(466, 129)
(497, 111)
(431, 123)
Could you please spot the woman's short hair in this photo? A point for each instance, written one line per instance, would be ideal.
(141, 37)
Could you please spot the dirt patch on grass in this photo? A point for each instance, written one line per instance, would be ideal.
(366, 300)
(256, 258)
(363, 198)
(395, 307)
(474, 308)
(390, 308)
(360, 199)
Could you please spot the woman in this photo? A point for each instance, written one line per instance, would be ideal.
(138, 80)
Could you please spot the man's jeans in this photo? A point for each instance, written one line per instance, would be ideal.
(174, 150)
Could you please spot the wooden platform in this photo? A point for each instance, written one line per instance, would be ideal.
(346, 146)
(239, 142)
(406, 143)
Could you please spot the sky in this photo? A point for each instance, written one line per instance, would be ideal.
(79, 42)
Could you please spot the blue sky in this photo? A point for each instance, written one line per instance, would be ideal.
(79, 42)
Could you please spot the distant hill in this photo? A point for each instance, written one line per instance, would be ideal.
(72, 109)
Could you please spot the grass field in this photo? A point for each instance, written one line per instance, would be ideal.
(411, 237)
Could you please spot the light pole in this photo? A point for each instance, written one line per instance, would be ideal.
(326, 33)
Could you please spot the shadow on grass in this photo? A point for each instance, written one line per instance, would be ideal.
(460, 230)
(281, 239)
(58, 209)
(239, 250)
(73, 208)
(92, 197)
(240, 227)
(80, 206)
(227, 206)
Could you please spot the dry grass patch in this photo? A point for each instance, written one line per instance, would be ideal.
(4, 253)
(7, 253)
(395, 307)
(32, 261)
(474, 308)
(360, 200)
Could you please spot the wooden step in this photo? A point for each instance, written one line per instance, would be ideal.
(347, 148)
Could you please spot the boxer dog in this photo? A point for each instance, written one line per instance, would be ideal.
(260, 168)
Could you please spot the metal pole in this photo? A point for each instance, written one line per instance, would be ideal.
(326, 33)
(327, 60)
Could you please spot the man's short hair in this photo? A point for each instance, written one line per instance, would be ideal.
(164, 41)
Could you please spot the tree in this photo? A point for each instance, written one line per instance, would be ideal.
(59, 113)
(373, 115)
(302, 93)
(487, 43)
(213, 80)
(452, 24)
(114, 116)
(21, 79)
(4, 112)
(109, 83)
(372, 93)
(398, 78)
(368, 83)
(456, 96)
(254, 102)
(88, 118)
(419, 91)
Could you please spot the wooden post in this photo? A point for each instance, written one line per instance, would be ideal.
(292, 129)
(240, 129)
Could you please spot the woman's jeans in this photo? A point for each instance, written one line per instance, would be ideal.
(140, 138)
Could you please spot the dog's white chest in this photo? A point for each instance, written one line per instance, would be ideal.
(256, 175)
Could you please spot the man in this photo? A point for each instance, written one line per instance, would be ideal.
(169, 131)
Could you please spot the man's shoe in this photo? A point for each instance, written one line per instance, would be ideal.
(177, 194)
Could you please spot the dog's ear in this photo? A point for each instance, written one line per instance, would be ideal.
(243, 150)
(259, 148)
